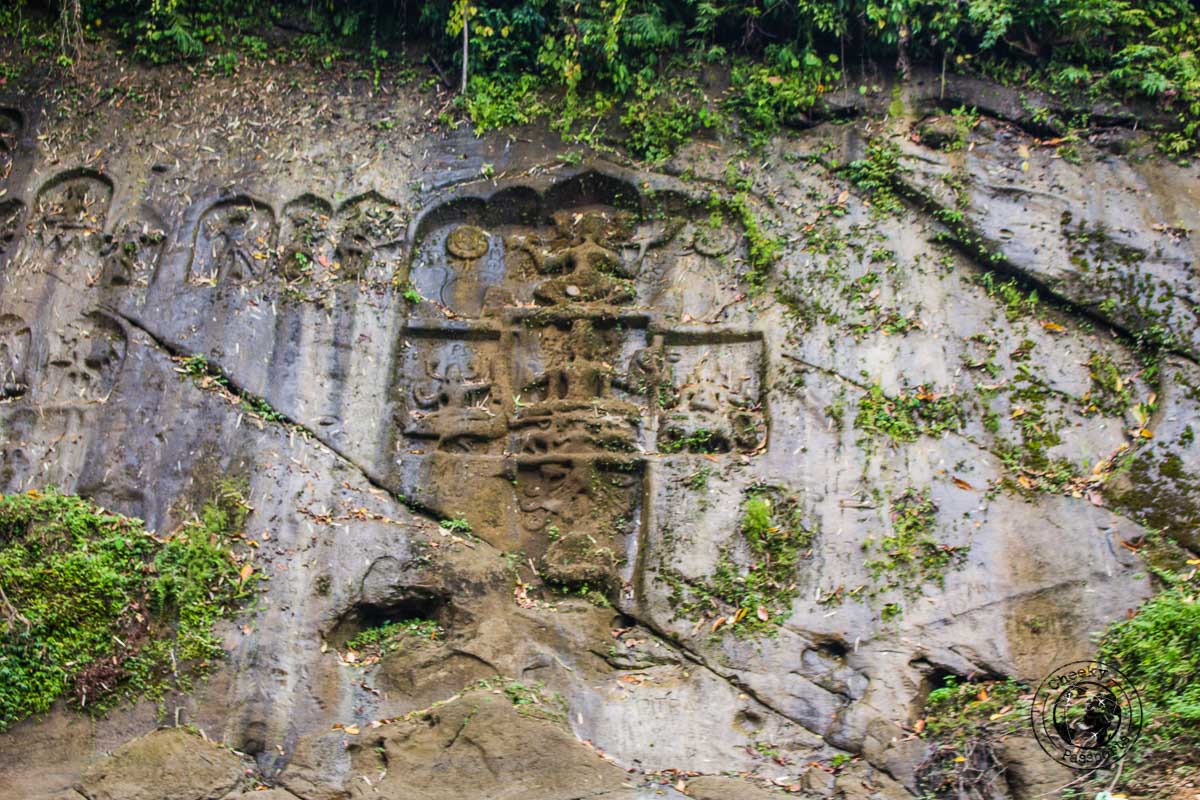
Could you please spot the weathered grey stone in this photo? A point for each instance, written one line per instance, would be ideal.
(559, 389)
(170, 764)
(716, 787)
(482, 745)
(1029, 772)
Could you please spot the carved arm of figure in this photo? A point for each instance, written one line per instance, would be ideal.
(544, 259)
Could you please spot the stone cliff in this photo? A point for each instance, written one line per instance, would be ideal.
(690, 521)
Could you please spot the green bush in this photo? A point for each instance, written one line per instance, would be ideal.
(661, 118)
(786, 55)
(1158, 650)
(787, 85)
(498, 102)
(96, 608)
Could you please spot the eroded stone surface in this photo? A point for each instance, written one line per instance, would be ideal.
(569, 361)
(170, 764)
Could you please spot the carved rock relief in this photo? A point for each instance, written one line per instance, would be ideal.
(711, 396)
(84, 361)
(451, 400)
(573, 390)
(14, 357)
(12, 219)
(576, 514)
(591, 239)
(132, 251)
(11, 127)
(306, 247)
(544, 349)
(233, 242)
(362, 240)
(370, 231)
(69, 218)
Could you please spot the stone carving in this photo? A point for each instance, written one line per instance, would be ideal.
(467, 242)
(362, 240)
(11, 127)
(69, 218)
(84, 361)
(583, 258)
(12, 217)
(591, 240)
(701, 281)
(451, 402)
(132, 252)
(716, 406)
(370, 234)
(535, 354)
(14, 356)
(72, 207)
(582, 508)
(233, 242)
(306, 248)
(569, 403)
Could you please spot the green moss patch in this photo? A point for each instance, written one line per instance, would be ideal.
(908, 415)
(372, 644)
(912, 556)
(97, 609)
(755, 580)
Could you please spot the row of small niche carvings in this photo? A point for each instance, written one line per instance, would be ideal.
(237, 239)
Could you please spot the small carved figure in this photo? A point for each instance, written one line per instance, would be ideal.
(11, 212)
(368, 228)
(131, 254)
(85, 360)
(719, 412)
(304, 239)
(14, 350)
(577, 410)
(232, 242)
(584, 268)
(453, 407)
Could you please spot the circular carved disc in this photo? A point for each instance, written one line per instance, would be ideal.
(467, 241)
(710, 241)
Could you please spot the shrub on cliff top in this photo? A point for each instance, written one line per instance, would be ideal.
(787, 54)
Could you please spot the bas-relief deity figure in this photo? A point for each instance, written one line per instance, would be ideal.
(571, 404)
(131, 253)
(362, 240)
(232, 242)
(11, 128)
(84, 360)
(582, 258)
(68, 225)
(14, 356)
(716, 405)
(453, 403)
(12, 217)
(370, 231)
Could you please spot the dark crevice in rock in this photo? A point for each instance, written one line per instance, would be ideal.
(833, 647)
(1026, 109)
(988, 256)
(414, 606)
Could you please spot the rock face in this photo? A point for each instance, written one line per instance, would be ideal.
(164, 765)
(568, 367)
(483, 746)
